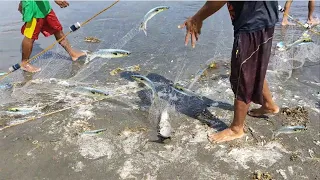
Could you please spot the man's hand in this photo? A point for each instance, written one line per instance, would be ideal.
(20, 7)
(62, 3)
(193, 26)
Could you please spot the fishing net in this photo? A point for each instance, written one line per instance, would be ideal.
(161, 56)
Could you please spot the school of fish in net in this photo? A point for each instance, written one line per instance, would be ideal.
(163, 121)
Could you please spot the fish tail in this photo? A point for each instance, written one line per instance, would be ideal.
(143, 27)
(89, 58)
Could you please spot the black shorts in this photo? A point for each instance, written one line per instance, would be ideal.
(249, 63)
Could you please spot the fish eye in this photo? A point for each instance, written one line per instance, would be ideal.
(115, 53)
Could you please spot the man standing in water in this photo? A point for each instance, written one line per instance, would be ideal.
(254, 23)
(40, 17)
(310, 21)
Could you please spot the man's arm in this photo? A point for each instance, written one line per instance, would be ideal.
(209, 8)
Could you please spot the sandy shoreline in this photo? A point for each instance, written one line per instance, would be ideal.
(55, 148)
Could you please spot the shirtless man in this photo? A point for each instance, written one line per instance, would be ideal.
(311, 21)
(40, 17)
(254, 23)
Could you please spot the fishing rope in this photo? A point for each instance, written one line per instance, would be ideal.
(54, 112)
(48, 114)
(73, 28)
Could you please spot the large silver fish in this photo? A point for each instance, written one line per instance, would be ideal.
(150, 15)
(107, 53)
(289, 130)
(146, 81)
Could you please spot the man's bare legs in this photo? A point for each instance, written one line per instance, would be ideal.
(268, 106)
(235, 131)
(311, 7)
(27, 45)
(65, 44)
(286, 11)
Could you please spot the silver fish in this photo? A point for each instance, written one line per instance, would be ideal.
(20, 110)
(289, 130)
(150, 15)
(95, 131)
(91, 91)
(282, 47)
(146, 81)
(165, 128)
(185, 91)
(107, 53)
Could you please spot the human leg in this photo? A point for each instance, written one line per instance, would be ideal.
(248, 69)
(286, 12)
(53, 26)
(311, 20)
(31, 32)
(65, 44)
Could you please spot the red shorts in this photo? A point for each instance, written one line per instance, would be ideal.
(47, 26)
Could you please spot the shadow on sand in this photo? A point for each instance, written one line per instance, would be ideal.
(193, 107)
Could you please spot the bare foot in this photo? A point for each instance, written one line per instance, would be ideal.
(225, 135)
(313, 21)
(262, 111)
(285, 23)
(29, 68)
(76, 55)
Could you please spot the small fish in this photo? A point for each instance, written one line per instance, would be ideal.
(289, 130)
(95, 131)
(165, 128)
(108, 54)
(185, 91)
(20, 110)
(150, 15)
(146, 81)
(91, 91)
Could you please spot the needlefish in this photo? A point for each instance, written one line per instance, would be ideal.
(179, 88)
(150, 15)
(283, 47)
(146, 81)
(289, 130)
(107, 54)
(91, 91)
